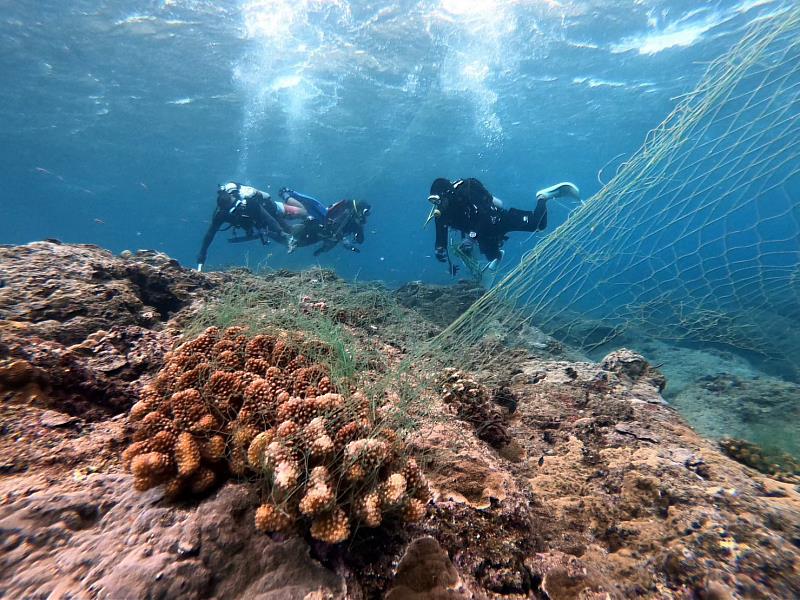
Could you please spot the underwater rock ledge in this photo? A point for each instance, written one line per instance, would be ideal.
(596, 488)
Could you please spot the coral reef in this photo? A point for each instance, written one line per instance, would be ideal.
(335, 468)
(613, 496)
(64, 293)
(782, 467)
(87, 324)
(257, 406)
(472, 402)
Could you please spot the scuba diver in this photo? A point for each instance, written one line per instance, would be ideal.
(467, 206)
(254, 212)
(340, 223)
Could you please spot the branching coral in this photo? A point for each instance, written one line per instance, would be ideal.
(332, 527)
(270, 518)
(471, 402)
(360, 480)
(175, 442)
(319, 496)
(224, 403)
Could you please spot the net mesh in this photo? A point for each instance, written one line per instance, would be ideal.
(696, 237)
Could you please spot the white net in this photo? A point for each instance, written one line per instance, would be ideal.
(697, 237)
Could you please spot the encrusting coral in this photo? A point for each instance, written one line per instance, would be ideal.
(257, 407)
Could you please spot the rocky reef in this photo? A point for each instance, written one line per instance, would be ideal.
(439, 304)
(553, 479)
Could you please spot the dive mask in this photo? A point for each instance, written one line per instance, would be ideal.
(438, 203)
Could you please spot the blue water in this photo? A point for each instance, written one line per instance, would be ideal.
(118, 119)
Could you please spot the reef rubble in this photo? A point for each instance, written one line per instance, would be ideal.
(571, 479)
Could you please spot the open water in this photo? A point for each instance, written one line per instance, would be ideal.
(118, 119)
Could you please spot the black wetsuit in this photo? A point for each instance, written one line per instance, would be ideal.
(466, 205)
(344, 221)
(257, 215)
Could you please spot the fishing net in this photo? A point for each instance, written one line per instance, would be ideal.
(696, 237)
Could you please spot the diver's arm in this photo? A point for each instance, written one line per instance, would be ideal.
(271, 222)
(441, 240)
(270, 207)
(266, 211)
(216, 222)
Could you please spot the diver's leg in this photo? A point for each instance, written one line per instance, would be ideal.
(492, 251)
(490, 248)
(294, 209)
(524, 220)
(314, 207)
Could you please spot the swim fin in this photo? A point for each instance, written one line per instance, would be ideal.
(492, 265)
(559, 190)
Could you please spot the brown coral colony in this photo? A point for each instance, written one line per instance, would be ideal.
(225, 403)
(471, 402)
